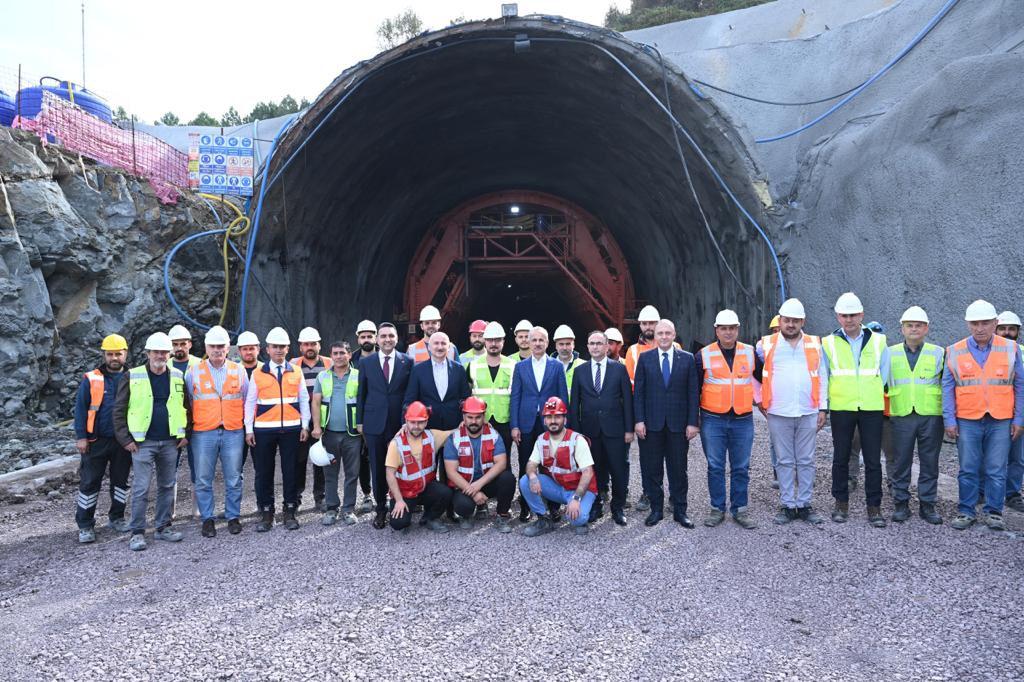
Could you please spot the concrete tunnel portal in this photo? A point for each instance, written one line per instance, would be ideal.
(500, 174)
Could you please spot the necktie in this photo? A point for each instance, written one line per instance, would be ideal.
(666, 372)
(279, 374)
(387, 369)
(597, 379)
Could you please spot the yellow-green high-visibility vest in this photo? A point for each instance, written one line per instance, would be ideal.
(326, 379)
(497, 392)
(568, 375)
(140, 403)
(916, 390)
(469, 356)
(853, 386)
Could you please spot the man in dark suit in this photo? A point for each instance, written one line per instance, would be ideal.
(534, 380)
(441, 384)
(383, 378)
(666, 396)
(601, 408)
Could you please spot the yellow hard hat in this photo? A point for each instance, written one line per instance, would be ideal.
(114, 342)
(774, 322)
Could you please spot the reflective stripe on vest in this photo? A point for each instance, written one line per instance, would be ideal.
(984, 390)
(464, 446)
(812, 354)
(414, 476)
(855, 386)
(497, 393)
(561, 465)
(96, 385)
(277, 404)
(212, 410)
(351, 394)
(915, 390)
(727, 388)
(140, 403)
(568, 375)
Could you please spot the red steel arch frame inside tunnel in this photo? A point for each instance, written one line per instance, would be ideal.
(580, 249)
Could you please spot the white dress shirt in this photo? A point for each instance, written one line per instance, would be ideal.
(440, 377)
(538, 369)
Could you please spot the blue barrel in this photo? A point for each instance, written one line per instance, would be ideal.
(7, 109)
(30, 100)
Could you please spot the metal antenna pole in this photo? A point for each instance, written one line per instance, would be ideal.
(83, 43)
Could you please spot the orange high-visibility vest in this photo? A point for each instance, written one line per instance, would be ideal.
(95, 378)
(724, 388)
(812, 351)
(983, 390)
(561, 465)
(464, 447)
(420, 352)
(633, 354)
(414, 476)
(277, 404)
(212, 410)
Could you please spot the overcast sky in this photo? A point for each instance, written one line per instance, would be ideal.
(153, 56)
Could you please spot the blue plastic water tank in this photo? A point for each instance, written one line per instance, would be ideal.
(7, 109)
(30, 100)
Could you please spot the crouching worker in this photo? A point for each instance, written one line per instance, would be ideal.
(566, 473)
(411, 472)
(477, 467)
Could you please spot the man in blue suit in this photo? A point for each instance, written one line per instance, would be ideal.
(601, 408)
(441, 384)
(534, 381)
(666, 397)
(383, 378)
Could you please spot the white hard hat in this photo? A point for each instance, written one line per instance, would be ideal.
(494, 331)
(848, 304)
(248, 339)
(563, 332)
(649, 314)
(158, 341)
(726, 318)
(614, 334)
(1008, 317)
(980, 311)
(217, 336)
(309, 335)
(523, 326)
(278, 337)
(429, 313)
(792, 307)
(179, 333)
(914, 313)
(366, 326)
(318, 454)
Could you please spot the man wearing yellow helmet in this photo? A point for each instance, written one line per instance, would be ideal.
(94, 439)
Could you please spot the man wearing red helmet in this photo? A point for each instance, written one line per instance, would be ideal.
(411, 471)
(476, 343)
(566, 473)
(477, 466)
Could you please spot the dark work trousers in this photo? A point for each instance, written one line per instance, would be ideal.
(505, 433)
(434, 499)
(502, 488)
(365, 470)
(268, 443)
(611, 460)
(103, 453)
(926, 433)
(869, 424)
(660, 451)
(378, 447)
(301, 461)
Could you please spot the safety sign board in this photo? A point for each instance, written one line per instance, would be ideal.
(220, 164)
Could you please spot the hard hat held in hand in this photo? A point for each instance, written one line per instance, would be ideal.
(318, 454)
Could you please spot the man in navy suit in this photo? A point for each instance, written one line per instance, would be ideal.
(666, 395)
(383, 378)
(441, 384)
(601, 408)
(534, 380)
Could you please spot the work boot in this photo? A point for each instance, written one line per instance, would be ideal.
(502, 523)
(524, 511)
(330, 517)
(481, 512)
(840, 512)
(86, 535)
(809, 515)
(784, 516)
(209, 529)
(121, 525)
(995, 522)
(643, 504)
(351, 519)
(290, 522)
(901, 513)
(875, 517)
(438, 526)
(365, 506)
(539, 527)
(714, 517)
(167, 534)
(928, 513)
(137, 543)
(581, 530)
(744, 519)
(380, 520)
(266, 522)
(234, 526)
(1015, 502)
(962, 522)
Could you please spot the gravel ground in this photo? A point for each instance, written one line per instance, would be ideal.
(796, 602)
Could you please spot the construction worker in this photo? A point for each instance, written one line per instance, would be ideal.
(411, 471)
(334, 419)
(1008, 327)
(216, 388)
(95, 442)
(913, 374)
(476, 462)
(276, 415)
(311, 363)
(249, 352)
(856, 399)
(615, 342)
(521, 334)
(773, 326)
(430, 323)
(366, 336)
(441, 385)
(181, 360)
(983, 409)
(648, 319)
(565, 353)
(794, 399)
(476, 342)
(151, 421)
(491, 380)
(533, 382)
(727, 369)
(560, 470)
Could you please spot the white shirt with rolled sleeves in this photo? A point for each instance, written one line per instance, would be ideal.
(252, 395)
(584, 458)
(791, 383)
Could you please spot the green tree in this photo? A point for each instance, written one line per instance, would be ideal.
(169, 119)
(395, 30)
(288, 105)
(646, 13)
(203, 119)
(121, 115)
(230, 118)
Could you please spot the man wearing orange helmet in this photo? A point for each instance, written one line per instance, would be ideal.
(560, 470)
(476, 343)
(411, 472)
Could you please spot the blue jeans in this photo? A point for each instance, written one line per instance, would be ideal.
(984, 448)
(551, 490)
(727, 438)
(207, 448)
(1015, 468)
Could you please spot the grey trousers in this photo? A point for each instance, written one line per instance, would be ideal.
(160, 456)
(345, 449)
(926, 433)
(794, 439)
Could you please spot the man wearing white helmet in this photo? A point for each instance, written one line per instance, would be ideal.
(1008, 327)
(311, 363)
(913, 375)
(857, 402)
(151, 421)
(181, 360)
(249, 351)
(430, 323)
(565, 353)
(216, 388)
(615, 342)
(366, 337)
(522, 337)
(490, 376)
(983, 409)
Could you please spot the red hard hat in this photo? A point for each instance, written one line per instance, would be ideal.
(417, 411)
(478, 327)
(554, 405)
(474, 405)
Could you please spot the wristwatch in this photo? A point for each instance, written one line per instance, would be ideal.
(577, 497)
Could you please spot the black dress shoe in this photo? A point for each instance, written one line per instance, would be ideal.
(266, 522)
(209, 529)
(380, 520)
(596, 512)
(524, 513)
(653, 518)
(234, 526)
(619, 518)
(683, 520)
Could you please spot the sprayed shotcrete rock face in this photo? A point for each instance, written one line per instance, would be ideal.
(423, 134)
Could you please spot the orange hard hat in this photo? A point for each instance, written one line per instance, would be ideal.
(555, 405)
(417, 411)
(474, 405)
(478, 327)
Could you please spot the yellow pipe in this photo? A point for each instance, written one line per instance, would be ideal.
(238, 227)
